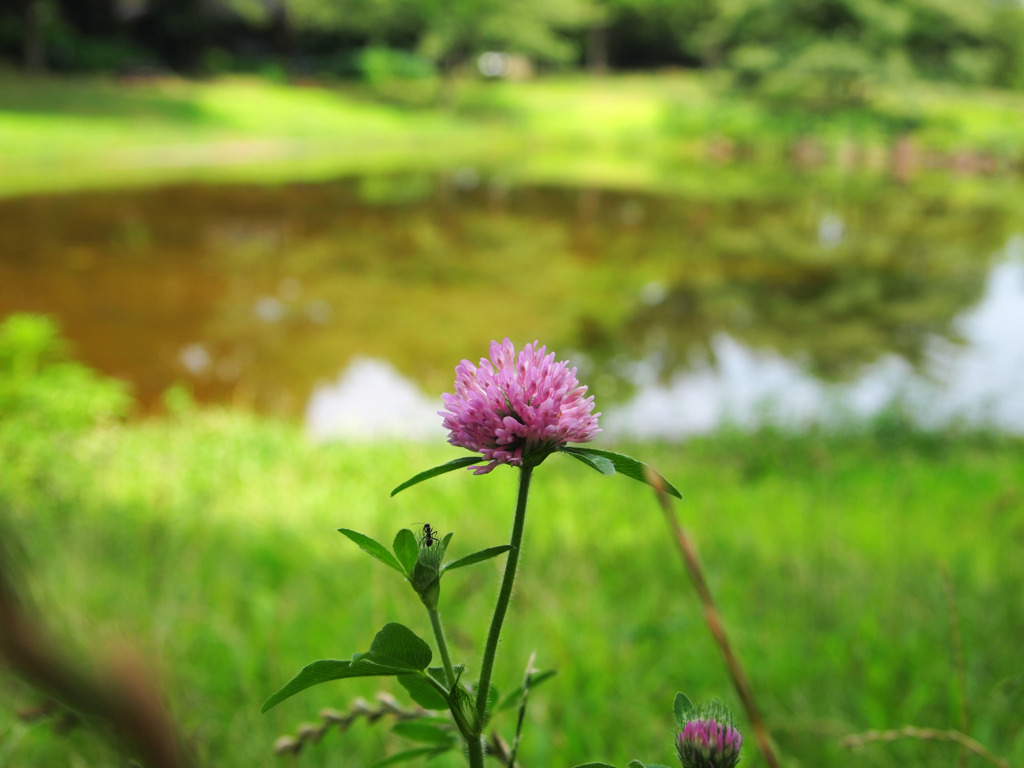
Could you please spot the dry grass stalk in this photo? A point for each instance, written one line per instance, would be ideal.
(714, 621)
(859, 740)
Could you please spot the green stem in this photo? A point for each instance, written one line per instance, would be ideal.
(476, 752)
(503, 598)
(442, 646)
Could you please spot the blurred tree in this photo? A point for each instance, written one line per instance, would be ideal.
(634, 33)
(825, 53)
(34, 38)
(1008, 45)
(177, 30)
(822, 52)
(29, 21)
(452, 32)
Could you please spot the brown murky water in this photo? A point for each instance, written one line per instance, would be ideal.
(252, 295)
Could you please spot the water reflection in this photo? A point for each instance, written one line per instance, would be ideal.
(258, 296)
(371, 400)
(976, 381)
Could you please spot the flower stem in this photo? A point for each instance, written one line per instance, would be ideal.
(476, 752)
(442, 646)
(491, 648)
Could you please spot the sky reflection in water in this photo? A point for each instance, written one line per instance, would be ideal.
(978, 381)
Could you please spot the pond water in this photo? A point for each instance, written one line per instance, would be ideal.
(348, 304)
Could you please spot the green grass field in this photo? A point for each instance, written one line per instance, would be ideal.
(206, 540)
(631, 131)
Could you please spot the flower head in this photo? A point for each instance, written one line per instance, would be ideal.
(709, 743)
(517, 410)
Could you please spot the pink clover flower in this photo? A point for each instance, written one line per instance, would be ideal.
(517, 410)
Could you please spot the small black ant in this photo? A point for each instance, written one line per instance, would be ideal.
(429, 536)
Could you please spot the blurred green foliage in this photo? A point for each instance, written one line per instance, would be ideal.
(46, 400)
(819, 54)
(42, 385)
(207, 538)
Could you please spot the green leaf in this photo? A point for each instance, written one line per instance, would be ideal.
(465, 461)
(635, 764)
(627, 465)
(594, 765)
(411, 754)
(424, 692)
(324, 671)
(516, 696)
(428, 733)
(406, 549)
(441, 676)
(476, 557)
(398, 645)
(442, 547)
(373, 548)
(600, 463)
(682, 707)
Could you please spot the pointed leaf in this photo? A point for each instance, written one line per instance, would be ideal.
(373, 548)
(516, 696)
(424, 692)
(594, 765)
(682, 707)
(411, 754)
(635, 764)
(600, 463)
(476, 557)
(465, 461)
(429, 733)
(627, 465)
(406, 549)
(443, 546)
(321, 672)
(399, 645)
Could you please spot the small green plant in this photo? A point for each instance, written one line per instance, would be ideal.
(509, 410)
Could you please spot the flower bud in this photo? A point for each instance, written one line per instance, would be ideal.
(464, 713)
(710, 740)
(426, 580)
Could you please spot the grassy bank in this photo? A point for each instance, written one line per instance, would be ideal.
(638, 131)
(205, 539)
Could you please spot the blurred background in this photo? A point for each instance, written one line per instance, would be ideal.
(245, 242)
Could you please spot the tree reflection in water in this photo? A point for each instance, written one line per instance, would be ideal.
(256, 295)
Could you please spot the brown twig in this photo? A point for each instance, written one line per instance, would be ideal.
(959, 664)
(499, 749)
(123, 697)
(859, 740)
(714, 620)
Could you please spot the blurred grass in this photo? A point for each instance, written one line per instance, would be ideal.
(635, 131)
(206, 539)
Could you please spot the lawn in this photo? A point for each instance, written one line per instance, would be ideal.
(631, 131)
(851, 569)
